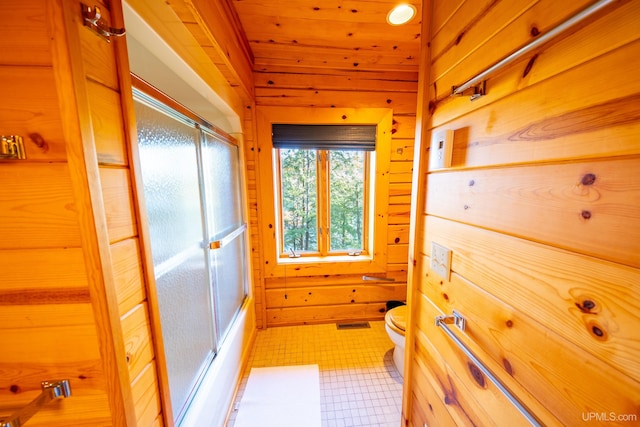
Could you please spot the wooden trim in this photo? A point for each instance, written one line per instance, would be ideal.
(259, 282)
(85, 176)
(323, 190)
(44, 296)
(418, 198)
(382, 117)
(322, 196)
(131, 137)
(220, 24)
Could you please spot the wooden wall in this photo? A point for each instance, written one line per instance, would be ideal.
(326, 296)
(541, 211)
(72, 294)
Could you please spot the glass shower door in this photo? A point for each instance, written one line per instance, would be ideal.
(221, 166)
(169, 162)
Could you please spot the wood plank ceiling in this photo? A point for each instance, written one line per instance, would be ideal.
(299, 35)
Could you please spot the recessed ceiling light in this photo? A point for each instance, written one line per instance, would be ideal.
(401, 14)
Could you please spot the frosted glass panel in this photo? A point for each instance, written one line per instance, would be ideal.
(230, 281)
(185, 312)
(170, 177)
(168, 156)
(224, 211)
(222, 178)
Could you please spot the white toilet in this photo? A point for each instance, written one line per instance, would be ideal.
(395, 323)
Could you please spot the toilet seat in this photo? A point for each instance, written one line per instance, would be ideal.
(396, 319)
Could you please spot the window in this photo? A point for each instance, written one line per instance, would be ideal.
(341, 158)
(323, 199)
(322, 188)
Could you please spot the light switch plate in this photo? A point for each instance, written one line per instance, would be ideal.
(441, 149)
(441, 260)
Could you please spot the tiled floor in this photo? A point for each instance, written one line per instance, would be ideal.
(359, 383)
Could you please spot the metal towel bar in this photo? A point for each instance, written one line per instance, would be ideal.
(544, 38)
(51, 390)
(378, 279)
(459, 321)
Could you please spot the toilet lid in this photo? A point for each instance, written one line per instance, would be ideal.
(398, 317)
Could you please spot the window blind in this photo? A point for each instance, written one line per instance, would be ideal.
(324, 137)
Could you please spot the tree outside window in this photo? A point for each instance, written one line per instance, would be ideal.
(323, 201)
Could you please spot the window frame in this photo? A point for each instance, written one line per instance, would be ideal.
(373, 261)
(323, 206)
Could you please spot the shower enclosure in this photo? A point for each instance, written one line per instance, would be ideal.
(193, 195)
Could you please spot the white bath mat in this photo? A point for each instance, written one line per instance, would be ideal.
(282, 396)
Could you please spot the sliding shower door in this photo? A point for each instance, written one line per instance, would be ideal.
(194, 205)
(225, 223)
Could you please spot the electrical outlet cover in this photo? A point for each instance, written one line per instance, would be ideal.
(440, 260)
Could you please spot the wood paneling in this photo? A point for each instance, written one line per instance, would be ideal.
(560, 57)
(558, 127)
(42, 269)
(427, 406)
(558, 297)
(540, 211)
(127, 269)
(37, 206)
(24, 35)
(474, 40)
(146, 398)
(304, 315)
(398, 234)
(351, 59)
(51, 340)
(118, 202)
(47, 313)
(325, 295)
(325, 290)
(334, 79)
(318, 299)
(335, 36)
(508, 345)
(56, 291)
(99, 65)
(106, 117)
(451, 387)
(586, 207)
(402, 103)
(137, 339)
(32, 111)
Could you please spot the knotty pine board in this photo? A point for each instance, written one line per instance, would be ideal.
(31, 107)
(545, 364)
(479, 392)
(552, 286)
(579, 57)
(24, 35)
(118, 203)
(128, 274)
(484, 35)
(38, 206)
(552, 203)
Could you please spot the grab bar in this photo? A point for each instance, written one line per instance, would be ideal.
(576, 19)
(51, 390)
(459, 321)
